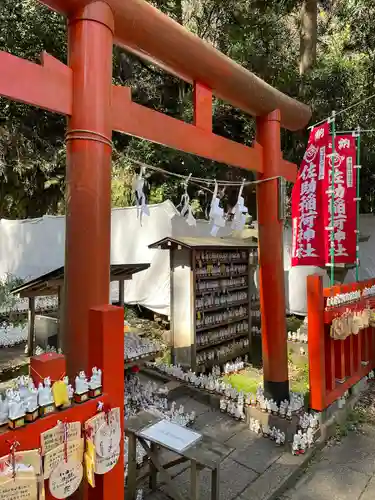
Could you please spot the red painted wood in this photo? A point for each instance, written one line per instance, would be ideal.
(357, 352)
(139, 121)
(202, 107)
(140, 26)
(329, 361)
(317, 364)
(88, 177)
(106, 350)
(344, 359)
(334, 312)
(349, 356)
(342, 388)
(364, 346)
(369, 344)
(48, 87)
(339, 359)
(349, 287)
(29, 436)
(271, 272)
(372, 353)
(51, 365)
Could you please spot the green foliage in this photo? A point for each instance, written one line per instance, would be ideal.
(262, 36)
(247, 381)
(293, 323)
(32, 153)
(7, 301)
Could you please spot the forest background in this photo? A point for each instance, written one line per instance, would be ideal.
(320, 52)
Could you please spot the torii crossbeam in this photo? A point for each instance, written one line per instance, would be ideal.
(83, 91)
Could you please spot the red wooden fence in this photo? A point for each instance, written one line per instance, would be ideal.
(335, 365)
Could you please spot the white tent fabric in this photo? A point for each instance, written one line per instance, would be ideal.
(29, 248)
(32, 247)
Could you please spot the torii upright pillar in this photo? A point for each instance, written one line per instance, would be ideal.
(88, 175)
(271, 265)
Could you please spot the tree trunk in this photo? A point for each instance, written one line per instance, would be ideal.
(308, 35)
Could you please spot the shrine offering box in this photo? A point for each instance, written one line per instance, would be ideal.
(51, 365)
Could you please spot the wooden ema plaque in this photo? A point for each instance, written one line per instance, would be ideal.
(19, 488)
(65, 478)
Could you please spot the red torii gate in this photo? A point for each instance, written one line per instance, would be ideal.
(83, 91)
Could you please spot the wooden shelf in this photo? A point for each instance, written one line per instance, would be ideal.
(220, 262)
(223, 323)
(221, 276)
(222, 291)
(226, 306)
(234, 273)
(222, 341)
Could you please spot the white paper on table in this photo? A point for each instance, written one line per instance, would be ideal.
(171, 435)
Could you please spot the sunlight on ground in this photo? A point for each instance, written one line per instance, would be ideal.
(249, 379)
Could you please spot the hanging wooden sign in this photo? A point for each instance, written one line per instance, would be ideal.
(65, 479)
(28, 458)
(56, 456)
(104, 465)
(55, 436)
(94, 423)
(107, 439)
(19, 488)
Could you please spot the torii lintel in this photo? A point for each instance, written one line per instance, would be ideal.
(49, 86)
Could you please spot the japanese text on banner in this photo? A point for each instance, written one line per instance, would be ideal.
(344, 203)
(307, 197)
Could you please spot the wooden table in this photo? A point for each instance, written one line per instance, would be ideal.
(205, 453)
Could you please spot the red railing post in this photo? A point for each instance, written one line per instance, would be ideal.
(106, 351)
(317, 368)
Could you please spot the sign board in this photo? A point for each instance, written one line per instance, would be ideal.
(170, 435)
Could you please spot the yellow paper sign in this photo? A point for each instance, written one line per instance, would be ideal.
(60, 393)
(90, 470)
(90, 449)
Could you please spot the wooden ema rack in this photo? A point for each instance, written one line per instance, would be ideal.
(106, 351)
(336, 365)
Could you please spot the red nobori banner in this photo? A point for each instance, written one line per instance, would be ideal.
(344, 201)
(307, 198)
